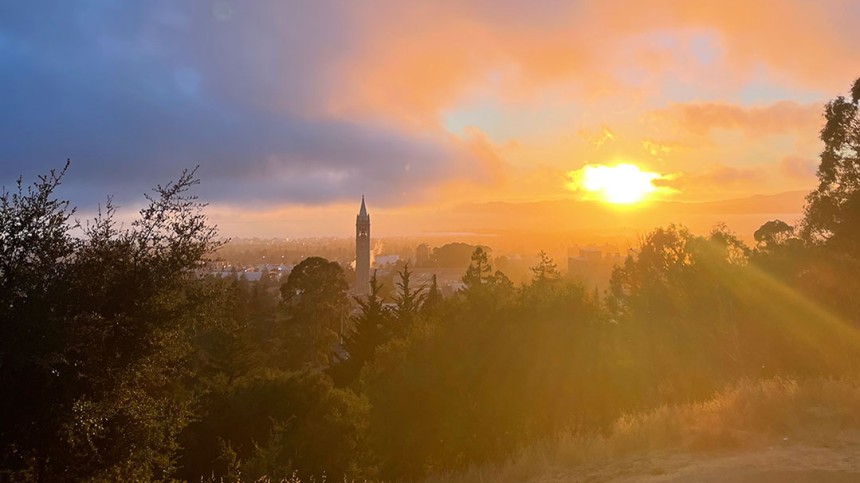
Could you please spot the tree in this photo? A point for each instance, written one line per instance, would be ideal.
(452, 255)
(94, 333)
(772, 234)
(408, 301)
(675, 271)
(370, 329)
(545, 270)
(480, 271)
(833, 208)
(35, 247)
(316, 282)
(35, 241)
(315, 300)
(433, 298)
(270, 423)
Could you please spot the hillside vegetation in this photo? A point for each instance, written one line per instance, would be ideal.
(787, 429)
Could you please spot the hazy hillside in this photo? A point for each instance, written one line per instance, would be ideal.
(743, 215)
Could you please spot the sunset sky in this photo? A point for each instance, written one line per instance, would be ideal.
(294, 109)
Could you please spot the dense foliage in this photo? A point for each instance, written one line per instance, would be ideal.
(94, 351)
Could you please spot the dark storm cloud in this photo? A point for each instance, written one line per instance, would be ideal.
(135, 92)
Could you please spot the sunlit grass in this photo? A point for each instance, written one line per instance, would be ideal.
(749, 414)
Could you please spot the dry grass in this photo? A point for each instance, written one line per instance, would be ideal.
(750, 414)
(294, 478)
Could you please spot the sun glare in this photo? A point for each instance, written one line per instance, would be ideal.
(620, 184)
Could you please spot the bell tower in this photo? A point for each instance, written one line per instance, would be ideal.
(362, 250)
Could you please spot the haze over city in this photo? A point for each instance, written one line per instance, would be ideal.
(293, 110)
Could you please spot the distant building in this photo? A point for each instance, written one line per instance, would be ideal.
(422, 255)
(593, 265)
(362, 250)
(385, 260)
(592, 255)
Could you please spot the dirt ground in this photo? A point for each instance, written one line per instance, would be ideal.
(836, 459)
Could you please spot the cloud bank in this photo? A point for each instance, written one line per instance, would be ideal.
(317, 102)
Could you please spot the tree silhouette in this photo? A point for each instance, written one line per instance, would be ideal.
(370, 329)
(315, 300)
(772, 234)
(316, 283)
(545, 270)
(480, 271)
(433, 298)
(833, 208)
(94, 333)
(408, 301)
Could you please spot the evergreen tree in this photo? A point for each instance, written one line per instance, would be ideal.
(370, 329)
(545, 270)
(479, 271)
(433, 298)
(408, 301)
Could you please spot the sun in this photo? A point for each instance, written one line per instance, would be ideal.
(620, 184)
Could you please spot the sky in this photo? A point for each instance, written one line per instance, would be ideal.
(294, 109)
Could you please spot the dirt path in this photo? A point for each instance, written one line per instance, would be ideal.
(834, 460)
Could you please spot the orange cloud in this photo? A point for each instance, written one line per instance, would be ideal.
(722, 177)
(777, 118)
(493, 168)
(421, 57)
(612, 63)
(597, 140)
(659, 149)
(609, 63)
(798, 167)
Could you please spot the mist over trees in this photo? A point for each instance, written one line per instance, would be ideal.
(120, 360)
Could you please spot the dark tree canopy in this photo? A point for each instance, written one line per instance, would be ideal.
(772, 233)
(833, 208)
(315, 292)
(452, 255)
(315, 281)
(316, 304)
(480, 270)
(94, 333)
(371, 328)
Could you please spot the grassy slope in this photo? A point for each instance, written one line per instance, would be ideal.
(769, 430)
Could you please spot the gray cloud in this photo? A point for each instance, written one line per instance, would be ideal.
(135, 92)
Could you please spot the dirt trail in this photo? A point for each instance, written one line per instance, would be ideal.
(833, 460)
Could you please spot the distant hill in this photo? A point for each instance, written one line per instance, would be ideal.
(743, 215)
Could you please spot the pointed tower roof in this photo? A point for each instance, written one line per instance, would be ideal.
(363, 210)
